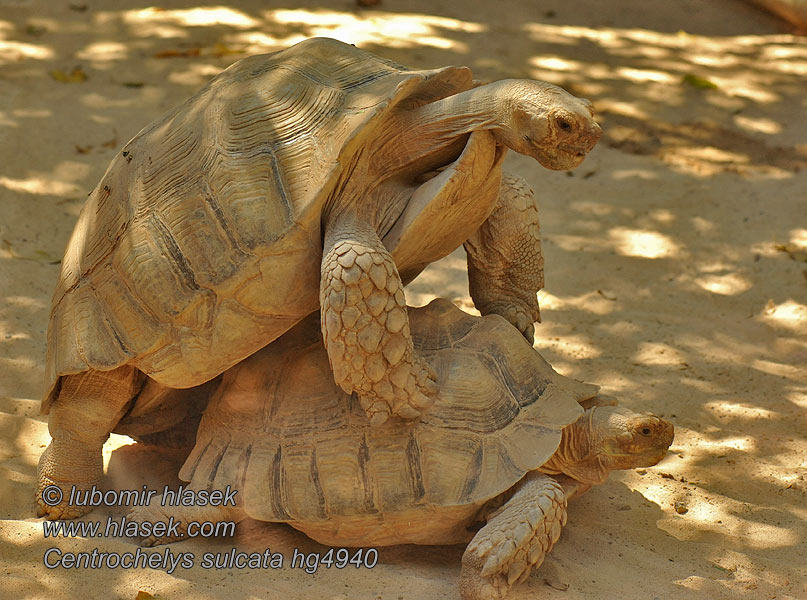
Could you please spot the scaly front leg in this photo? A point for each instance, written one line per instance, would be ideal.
(505, 262)
(515, 540)
(366, 327)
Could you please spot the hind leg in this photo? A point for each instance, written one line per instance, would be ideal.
(88, 407)
(505, 263)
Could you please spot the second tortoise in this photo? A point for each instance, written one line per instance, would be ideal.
(492, 462)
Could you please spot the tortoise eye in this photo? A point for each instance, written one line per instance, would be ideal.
(564, 124)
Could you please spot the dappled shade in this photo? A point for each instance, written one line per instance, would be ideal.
(676, 265)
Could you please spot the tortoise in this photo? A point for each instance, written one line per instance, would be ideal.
(505, 444)
(317, 177)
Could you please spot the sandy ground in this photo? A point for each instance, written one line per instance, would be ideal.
(676, 269)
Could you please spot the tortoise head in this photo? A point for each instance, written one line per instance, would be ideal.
(546, 122)
(606, 438)
(628, 440)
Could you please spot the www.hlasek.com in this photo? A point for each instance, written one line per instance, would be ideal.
(167, 560)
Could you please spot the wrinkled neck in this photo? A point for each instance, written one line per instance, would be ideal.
(578, 453)
(471, 110)
(433, 135)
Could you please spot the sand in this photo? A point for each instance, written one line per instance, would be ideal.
(676, 274)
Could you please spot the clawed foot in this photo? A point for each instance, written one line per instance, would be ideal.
(521, 318)
(48, 505)
(515, 540)
(475, 587)
(59, 471)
